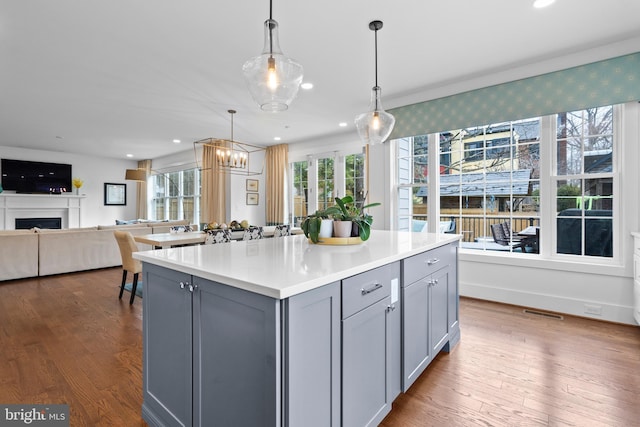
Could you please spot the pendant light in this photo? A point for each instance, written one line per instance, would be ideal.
(273, 79)
(375, 126)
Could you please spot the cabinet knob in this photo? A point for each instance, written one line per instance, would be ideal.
(391, 307)
(193, 288)
(184, 285)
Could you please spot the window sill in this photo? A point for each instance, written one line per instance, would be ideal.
(593, 265)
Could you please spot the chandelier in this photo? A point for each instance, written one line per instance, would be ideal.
(233, 156)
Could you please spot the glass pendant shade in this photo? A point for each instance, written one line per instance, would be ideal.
(375, 126)
(273, 79)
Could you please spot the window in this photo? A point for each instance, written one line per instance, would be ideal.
(318, 180)
(584, 181)
(491, 175)
(354, 177)
(176, 195)
(300, 193)
(413, 173)
(492, 178)
(325, 183)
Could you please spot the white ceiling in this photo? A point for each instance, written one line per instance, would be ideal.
(114, 77)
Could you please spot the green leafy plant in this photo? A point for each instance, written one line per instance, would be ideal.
(311, 225)
(350, 210)
(345, 209)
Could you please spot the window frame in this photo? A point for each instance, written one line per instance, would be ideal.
(168, 198)
(548, 187)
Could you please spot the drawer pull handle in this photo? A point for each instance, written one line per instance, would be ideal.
(433, 261)
(375, 287)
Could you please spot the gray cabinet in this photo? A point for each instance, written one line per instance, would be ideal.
(337, 355)
(370, 329)
(215, 355)
(312, 366)
(211, 354)
(429, 309)
(167, 354)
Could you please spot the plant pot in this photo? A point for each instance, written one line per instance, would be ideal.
(342, 228)
(326, 228)
(355, 230)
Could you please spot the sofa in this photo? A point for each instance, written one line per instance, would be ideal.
(43, 252)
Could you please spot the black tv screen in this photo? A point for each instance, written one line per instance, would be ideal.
(24, 176)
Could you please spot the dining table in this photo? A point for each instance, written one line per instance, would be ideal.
(530, 237)
(167, 240)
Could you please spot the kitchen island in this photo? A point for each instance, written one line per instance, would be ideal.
(281, 332)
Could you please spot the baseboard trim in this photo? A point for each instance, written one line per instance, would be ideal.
(554, 303)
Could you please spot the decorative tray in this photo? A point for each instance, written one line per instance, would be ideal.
(338, 241)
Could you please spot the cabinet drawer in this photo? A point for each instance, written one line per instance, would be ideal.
(367, 288)
(421, 265)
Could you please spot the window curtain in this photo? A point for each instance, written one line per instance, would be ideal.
(213, 200)
(277, 163)
(141, 187)
(608, 82)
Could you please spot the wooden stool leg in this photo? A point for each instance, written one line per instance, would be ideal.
(124, 279)
(134, 286)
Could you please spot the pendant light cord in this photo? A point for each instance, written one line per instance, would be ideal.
(376, 55)
(270, 27)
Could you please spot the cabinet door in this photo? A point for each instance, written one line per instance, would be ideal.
(236, 353)
(167, 357)
(415, 320)
(365, 370)
(312, 367)
(438, 310)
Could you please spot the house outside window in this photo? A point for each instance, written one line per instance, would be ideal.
(490, 175)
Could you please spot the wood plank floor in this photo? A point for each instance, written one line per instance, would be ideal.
(68, 339)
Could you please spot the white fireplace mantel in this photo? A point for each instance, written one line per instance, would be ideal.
(66, 206)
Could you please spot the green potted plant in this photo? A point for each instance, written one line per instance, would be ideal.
(357, 215)
(317, 225)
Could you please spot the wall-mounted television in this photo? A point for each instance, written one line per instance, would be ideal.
(23, 176)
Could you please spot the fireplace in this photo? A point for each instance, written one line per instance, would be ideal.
(27, 223)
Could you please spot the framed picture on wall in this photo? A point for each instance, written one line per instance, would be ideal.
(252, 185)
(252, 198)
(115, 194)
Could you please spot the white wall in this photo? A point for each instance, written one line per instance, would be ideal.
(95, 171)
(237, 208)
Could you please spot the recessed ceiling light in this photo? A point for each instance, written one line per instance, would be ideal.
(306, 86)
(342, 124)
(539, 4)
(129, 155)
(276, 138)
(176, 141)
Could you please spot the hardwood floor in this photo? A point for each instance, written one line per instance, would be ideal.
(68, 339)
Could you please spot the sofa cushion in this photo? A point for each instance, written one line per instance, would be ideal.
(19, 254)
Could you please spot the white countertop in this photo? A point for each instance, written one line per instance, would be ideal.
(286, 266)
